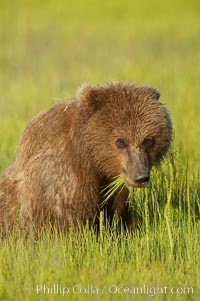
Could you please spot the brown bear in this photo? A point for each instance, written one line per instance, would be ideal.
(68, 153)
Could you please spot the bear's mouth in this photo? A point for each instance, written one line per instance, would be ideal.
(138, 184)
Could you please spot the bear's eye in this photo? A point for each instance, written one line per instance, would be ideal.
(148, 142)
(121, 143)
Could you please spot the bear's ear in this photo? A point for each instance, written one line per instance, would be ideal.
(155, 93)
(143, 91)
(88, 96)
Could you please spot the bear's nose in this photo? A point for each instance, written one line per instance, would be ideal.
(141, 178)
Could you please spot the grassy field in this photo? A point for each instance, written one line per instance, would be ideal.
(47, 49)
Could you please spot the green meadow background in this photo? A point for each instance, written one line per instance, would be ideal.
(47, 49)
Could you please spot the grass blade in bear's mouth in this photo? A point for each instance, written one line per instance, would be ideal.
(117, 185)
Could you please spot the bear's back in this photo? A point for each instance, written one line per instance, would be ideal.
(46, 131)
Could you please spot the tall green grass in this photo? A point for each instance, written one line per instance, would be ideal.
(163, 251)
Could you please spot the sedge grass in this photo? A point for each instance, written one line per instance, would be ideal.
(109, 190)
(116, 186)
(162, 252)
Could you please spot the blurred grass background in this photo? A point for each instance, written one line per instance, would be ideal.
(48, 48)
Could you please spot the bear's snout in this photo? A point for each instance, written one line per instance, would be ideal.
(141, 178)
(136, 172)
(137, 180)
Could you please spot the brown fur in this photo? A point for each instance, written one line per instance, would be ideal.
(69, 152)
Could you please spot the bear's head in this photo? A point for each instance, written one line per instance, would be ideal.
(126, 130)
